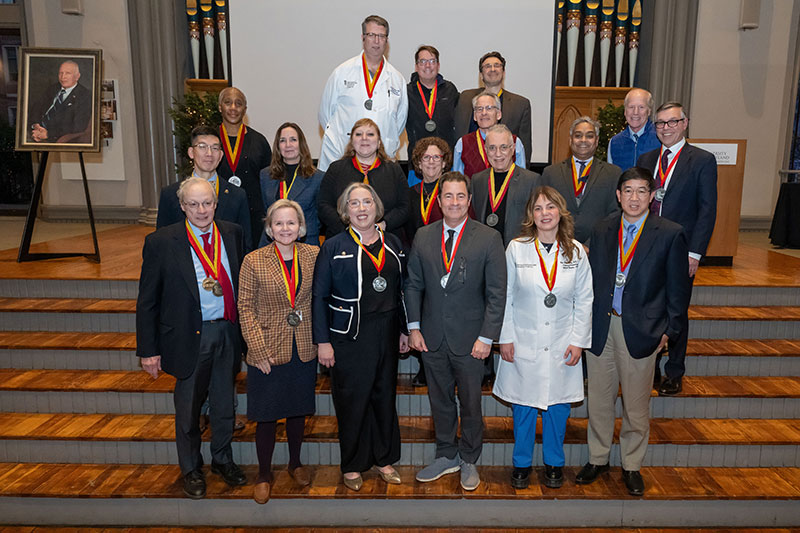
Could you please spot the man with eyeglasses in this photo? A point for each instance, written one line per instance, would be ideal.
(469, 155)
(431, 101)
(365, 86)
(686, 193)
(639, 137)
(187, 326)
(640, 297)
(587, 184)
(206, 153)
(516, 108)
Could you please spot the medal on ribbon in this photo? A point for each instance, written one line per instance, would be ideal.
(430, 105)
(232, 155)
(379, 283)
(369, 81)
(211, 265)
(549, 277)
(626, 257)
(448, 261)
(576, 182)
(494, 199)
(290, 282)
(364, 169)
(283, 189)
(425, 210)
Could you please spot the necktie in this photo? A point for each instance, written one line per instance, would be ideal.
(60, 97)
(224, 281)
(655, 207)
(635, 138)
(58, 101)
(664, 161)
(448, 244)
(581, 177)
(628, 239)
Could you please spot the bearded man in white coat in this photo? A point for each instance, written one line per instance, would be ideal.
(547, 323)
(365, 86)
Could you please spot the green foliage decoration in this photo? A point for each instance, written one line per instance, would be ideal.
(612, 121)
(195, 110)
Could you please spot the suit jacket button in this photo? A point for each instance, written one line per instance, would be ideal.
(197, 332)
(609, 314)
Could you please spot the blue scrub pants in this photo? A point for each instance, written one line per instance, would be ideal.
(554, 426)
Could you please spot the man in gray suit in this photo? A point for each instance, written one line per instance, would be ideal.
(516, 108)
(504, 207)
(588, 184)
(455, 298)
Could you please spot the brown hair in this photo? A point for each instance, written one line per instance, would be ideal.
(455, 177)
(422, 146)
(426, 48)
(349, 151)
(566, 226)
(277, 170)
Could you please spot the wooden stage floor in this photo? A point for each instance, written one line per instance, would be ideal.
(121, 253)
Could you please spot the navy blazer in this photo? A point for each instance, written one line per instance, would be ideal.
(656, 296)
(336, 292)
(168, 316)
(304, 192)
(691, 198)
(231, 206)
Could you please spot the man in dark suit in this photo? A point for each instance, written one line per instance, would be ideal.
(640, 296)
(587, 184)
(206, 153)
(516, 108)
(67, 108)
(455, 299)
(686, 179)
(186, 325)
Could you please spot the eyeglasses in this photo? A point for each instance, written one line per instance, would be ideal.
(492, 148)
(661, 124)
(376, 36)
(426, 62)
(355, 204)
(490, 66)
(203, 147)
(194, 206)
(639, 193)
(482, 108)
(429, 158)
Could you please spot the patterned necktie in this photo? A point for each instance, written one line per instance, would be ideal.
(581, 177)
(655, 206)
(448, 244)
(60, 97)
(635, 138)
(58, 101)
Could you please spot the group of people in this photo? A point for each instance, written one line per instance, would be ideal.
(587, 262)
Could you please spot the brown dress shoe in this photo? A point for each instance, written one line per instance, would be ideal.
(301, 475)
(261, 492)
(239, 423)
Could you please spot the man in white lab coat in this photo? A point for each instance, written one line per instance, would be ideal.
(363, 86)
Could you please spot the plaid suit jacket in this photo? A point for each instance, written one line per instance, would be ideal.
(263, 306)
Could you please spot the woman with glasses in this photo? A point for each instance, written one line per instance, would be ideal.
(357, 321)
(547, 323)
(292, 176)
(365, 161)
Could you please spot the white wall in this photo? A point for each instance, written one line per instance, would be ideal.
(114, 172)
(742, 89)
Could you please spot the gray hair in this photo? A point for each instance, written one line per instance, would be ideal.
(487, 93)
(341, 205)
(500, 128)
(584, 119)
(194, 180)
(375, 19)
(280, 204)
(649, 97)
(670, 105)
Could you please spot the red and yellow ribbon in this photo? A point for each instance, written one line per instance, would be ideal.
(426, 210)
(549, 277)
(232, 154)
(430, 105)
(290, 279)
(284, 191)
(662, 175)
(368, 79)
(211, 265)
(580, 185)
(377, 261)
(448, 261)
(495, 199)
(626, 257)
(481, 148)
(364, 169)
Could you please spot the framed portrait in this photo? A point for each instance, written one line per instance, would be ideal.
(59, 99)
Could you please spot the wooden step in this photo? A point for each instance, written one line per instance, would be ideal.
(139, 381)
(163, 481)
(66, 305)
(44, 529)
(764, 313)
(499, 429)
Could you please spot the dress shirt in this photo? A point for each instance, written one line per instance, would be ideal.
(212, 307)
(616, 303)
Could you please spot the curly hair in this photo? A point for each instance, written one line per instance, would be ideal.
(422, 146)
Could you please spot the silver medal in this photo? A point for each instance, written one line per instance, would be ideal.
(368, 104)
(294, 319)
(430, 125)
(444, 279)
(620, 280)
(660, 193)
(492, 220)
(379, 284)
(235, 180)
(550, 300)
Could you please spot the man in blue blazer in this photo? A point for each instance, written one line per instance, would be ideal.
(686, 179)
(641, 295)
(206, 153)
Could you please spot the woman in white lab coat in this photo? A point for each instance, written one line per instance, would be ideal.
(548, 320)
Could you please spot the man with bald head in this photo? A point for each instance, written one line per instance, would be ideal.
(246, 153)
(639, 137)
(187, 326)
(66, 108)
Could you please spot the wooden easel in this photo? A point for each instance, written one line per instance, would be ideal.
(24, 248)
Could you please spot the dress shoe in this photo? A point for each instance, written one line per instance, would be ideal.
(194, 485)
(419, 380)
(633, 482)
(521, 477)
(238, 423)
(202, 423)
(230, 472)
(553, 476)
(261, 492)
(301, 475)
(392, 478)
(589, 473)
(353, 484)
(670, 386)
